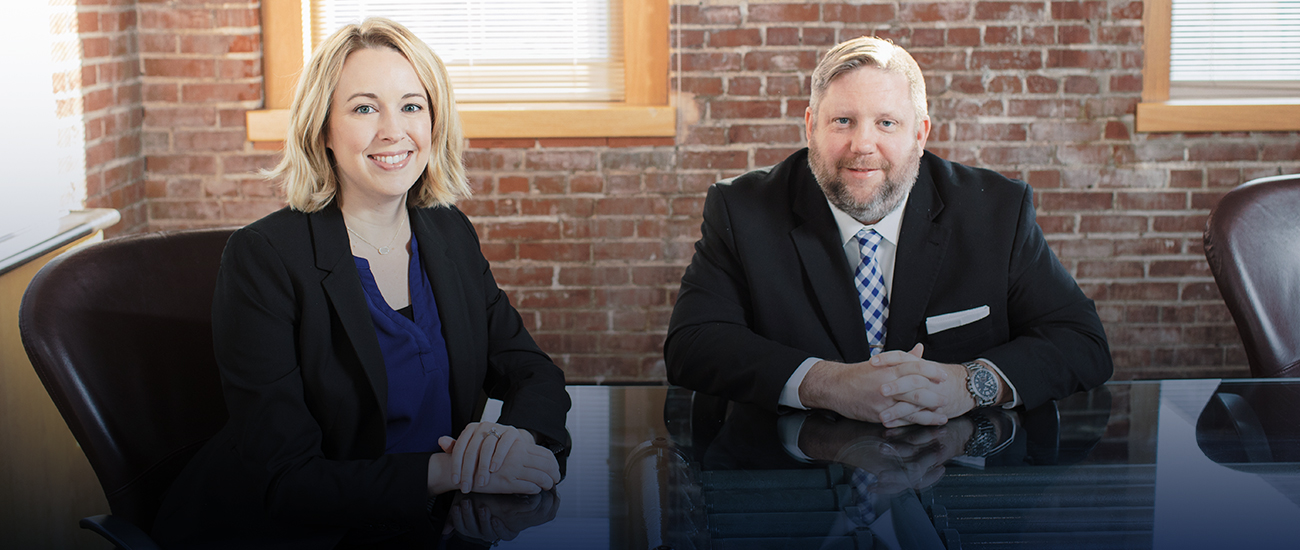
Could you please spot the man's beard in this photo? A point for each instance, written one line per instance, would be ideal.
(898, 181)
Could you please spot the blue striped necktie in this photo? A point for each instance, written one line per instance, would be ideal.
(870, 281)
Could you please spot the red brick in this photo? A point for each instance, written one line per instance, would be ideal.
(1009, 11)
(999, 60)
(1084, 59)
(236, 69)
(688, 39)
(744, 109)
(210, 141)
(1047, 130)
(1076, 201)
(744, 85)
(1079, 84)
(482, 143)
(1108, 269)
(1200, 291)
(519, 230)
(1178, 224)
(711, 62)
(781, 61)
(940, 60)
(220, 93)
(1046, 108)
(1000, 35)
(783, 36)
(184, 68)
(1152, 201)
(1131, 10)
(1124, 36)
(1116, 130)
(1037, 84)
(236, 17)
(1204, 152)
(639, 251)
(862, 13)
(813, 36)
(725, 160)
(1064, 11)
(964, 36)
(1180, 268)
(175, 18)
(185, 209)
(730, 38)
(560, 160)
(1073, 34)
(706, 15)
(927, 38)
(1112, 223)
(783, 13)
(1038, 36)
(631, 206)
(702, 85)
(766, 133)
(1032, 154)
(555, 251)
(512, 184)
(789, 85)
(932, 12)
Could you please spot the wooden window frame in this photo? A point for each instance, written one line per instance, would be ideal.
(645, 112)
(1156, 113)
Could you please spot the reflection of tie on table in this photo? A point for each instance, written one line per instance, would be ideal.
(870, 281)
(909, 526)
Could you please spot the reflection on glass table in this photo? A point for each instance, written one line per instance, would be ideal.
(1160, 464)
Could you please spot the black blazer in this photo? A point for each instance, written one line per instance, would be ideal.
(306, 387)
(769, 286)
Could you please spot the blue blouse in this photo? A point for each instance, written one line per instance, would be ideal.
(415, 357)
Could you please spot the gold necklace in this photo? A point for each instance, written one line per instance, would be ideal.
(384, 250)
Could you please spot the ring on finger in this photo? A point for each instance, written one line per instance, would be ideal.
(493, 432)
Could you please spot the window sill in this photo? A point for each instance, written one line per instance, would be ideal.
(1208, 117)
(523, 120)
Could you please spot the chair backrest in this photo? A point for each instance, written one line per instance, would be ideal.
(1252, 243)
(120, 333)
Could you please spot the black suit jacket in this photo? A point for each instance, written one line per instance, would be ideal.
(306, 387)
(769, 286)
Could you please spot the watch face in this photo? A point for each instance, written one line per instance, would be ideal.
(985, 384)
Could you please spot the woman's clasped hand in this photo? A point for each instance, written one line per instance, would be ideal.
(494, 458)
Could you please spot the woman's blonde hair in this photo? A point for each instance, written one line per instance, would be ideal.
(307, 168)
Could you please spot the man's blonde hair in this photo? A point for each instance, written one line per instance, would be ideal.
(308, 166)
(869, 51)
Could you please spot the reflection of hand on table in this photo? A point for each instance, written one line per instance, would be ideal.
(499, 517)
(901, 458)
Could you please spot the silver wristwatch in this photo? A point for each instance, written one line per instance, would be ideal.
(982, 383)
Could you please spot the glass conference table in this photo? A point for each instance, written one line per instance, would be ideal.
(1161, 464)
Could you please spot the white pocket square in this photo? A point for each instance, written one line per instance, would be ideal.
(940, 323)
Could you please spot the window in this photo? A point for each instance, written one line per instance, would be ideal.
(1195, 52)
(560, 105)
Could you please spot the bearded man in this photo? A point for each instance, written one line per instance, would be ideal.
(867, 276)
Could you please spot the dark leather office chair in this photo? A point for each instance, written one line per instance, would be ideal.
(1252, 242)
(120, 333)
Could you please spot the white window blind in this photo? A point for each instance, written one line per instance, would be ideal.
(1234, 49)
(506, 50)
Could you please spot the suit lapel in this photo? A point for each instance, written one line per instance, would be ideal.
(343, 289)
(921, 245)
(453, 311)
(816, 238)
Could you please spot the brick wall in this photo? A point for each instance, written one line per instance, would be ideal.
(590, 236)
(202, 69)
(105, 92)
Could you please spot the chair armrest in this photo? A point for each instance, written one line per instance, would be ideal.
(124, 534)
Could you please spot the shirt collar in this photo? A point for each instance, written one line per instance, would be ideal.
(888, 227)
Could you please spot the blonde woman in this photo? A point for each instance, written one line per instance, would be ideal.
(357, 329)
